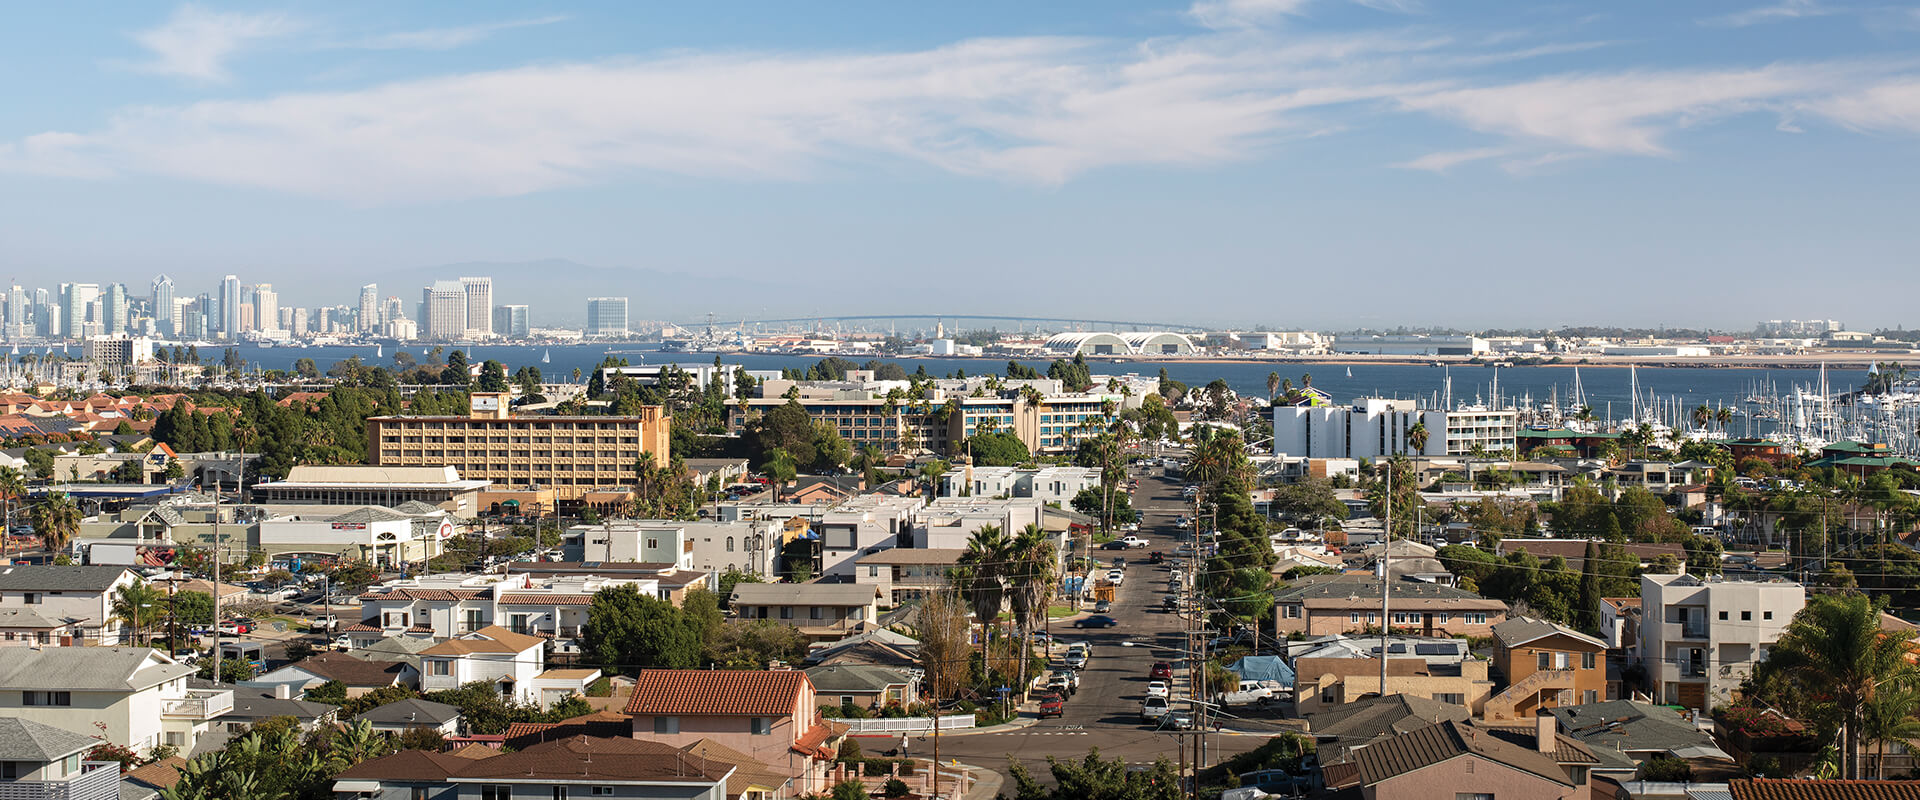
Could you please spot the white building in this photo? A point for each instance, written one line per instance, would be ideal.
(479, 305)
(514, 662)
(950, 522)
(1048, 484)
(860, 525)
(712, 547)
(372, 534)
(606, 316)
(63, 606)
(1411, 345)
(443, 311)
(1373, 427)
(446, 606)
(1133, 343)
(136, 697)
(1699, 638)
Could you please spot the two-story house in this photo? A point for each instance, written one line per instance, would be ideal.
(1545, 665)
(745, 545)
(860, 526)
(446, 606)
(768, 715)
(576, 767)
(134, 697)
(514, 663)
(43, 762)
(1701, 637)
(903, 574)
(822, 611)
(1319, 605)
(55, 605)
(1323, 683)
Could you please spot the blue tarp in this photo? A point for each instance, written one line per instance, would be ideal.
(1262, 668)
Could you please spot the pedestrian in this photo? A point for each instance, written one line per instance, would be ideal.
(903, 745)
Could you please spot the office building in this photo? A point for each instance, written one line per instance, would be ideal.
(443, 311)
(510, 321)
(113, 309)
(1375, 427)
(118, 350)
(571, 455)
(16, 313)
(369, 319)
(229, 320)
(166, 315)
(1700, 637)
(266, 307)
(479, 294)
(606, 316)
(76, 299)
(299, 321)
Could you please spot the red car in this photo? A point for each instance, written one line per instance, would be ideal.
(1162, 671)
(1051, 705)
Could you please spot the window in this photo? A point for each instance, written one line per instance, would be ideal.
(10, 770)
(48, 698)
(439, 668)
(602, 791)
(1356, 617)
(873, 571)
(760, 726)
(666, 724)
(32, 598)
(1586, 662)
(176, 738)
(1766, 615)
(496, 792)
(559, 793)
(786, 612)
(1746, 616)
(1542, 656)
(1472, 796)
(1723, 616)
(815, 612)
(417, 793)
(1455, 698)
(1590, 697)
(1578, 774)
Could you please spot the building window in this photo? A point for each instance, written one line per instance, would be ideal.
(815, 612)
(1356, 617)
(1586, 660)
(32, 598)
(786, 612)
(1472, 796)
(1746, 616)
(496, 792)
(729, 544)
(48, 698)
(417, 793)
(665, 725)
(1455, 698)
(559, 793)
(1578, 774)
(1543, 656)
(1723, 616)
(1766, 615)
(760, 726)
(439, 668)
(602, 791)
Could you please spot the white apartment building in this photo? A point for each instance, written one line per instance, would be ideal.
(1048, 484)
(515, 662)
(1699, 638)
(712, 547)
(54, 605)
(132, 696)
(1376, 427)
(860, 525)
(447, 606)
(950, 522)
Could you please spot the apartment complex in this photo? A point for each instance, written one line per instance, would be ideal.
(864, 416)
(1375, 427)
(570, 455)
(1321, 605)
(1699, 638)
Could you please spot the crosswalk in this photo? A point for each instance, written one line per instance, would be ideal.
(1031, 732)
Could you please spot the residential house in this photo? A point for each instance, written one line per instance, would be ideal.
(358, 675)
(822, 611)
(1620, 623)
(44, 762)
(711, 547)
(674, 582)
(771, 716)
(1435, 652)
(1050, 484)
(253, 706)
(878, 647)
(855, 685)
(861, 526)
(55, 605)
(1545, 665)
(903, 574)
(493, 655)
(147, 781)
(1699, 638)
(394, 648)
(751, 780)
(132, 696)
(413, 713)
(521, 735)
(580, 766)
(1575, 550)
(1320, 683)
(446, 606)
(950, 522)
(1319, 605)
(1458, 759)
(1624, 734)
(1339, 730)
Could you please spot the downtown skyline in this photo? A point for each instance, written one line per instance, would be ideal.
(1303, 164)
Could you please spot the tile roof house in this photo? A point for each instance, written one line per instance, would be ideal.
(1319, 605)
(573, 767)
(43, 761)
(139, 695)
(56, 605)
(1459, 759)
(769, 715)
(1783, 789)
(515, 663)
(521, 735)
(880, 647)
(359, 675)
(1342, 729)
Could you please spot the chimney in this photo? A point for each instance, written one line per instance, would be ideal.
(1544, 733)
(283, 691)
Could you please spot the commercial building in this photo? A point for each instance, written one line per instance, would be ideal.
(511, 321)
(364, 485)
(571, 455)
(1134, 343)
(384, 538)
(443, 311)
(713, 547)
(230, 307)
(479, 306)
(1376, 427)
(606, 316)
(1699, 638)
(118, 350)
(1411, 345)
(368, 319)
(863, 415)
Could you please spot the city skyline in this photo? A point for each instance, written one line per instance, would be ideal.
(1152, 157)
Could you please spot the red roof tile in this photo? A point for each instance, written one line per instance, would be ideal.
(695, 692)
(535, 599)
(1780, 789)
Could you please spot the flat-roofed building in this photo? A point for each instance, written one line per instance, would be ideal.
(369, 485)
(572, 455)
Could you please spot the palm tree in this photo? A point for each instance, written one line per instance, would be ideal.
(12, 485)
(1702, 415)
(1273, 386)
(983, 568)
(137, 605)
(1836, 649)
(1723, 416)
(57, 520)
(1417, 437)
(1032, 562)
(1889, 718)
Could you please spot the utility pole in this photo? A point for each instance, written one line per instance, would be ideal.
(933, 679)
(1386, 579)
(1195, 667)
(216, 583)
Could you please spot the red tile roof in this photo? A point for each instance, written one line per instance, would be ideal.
(696, 692)
(1781, 789)
(814, 741)
(536, 599)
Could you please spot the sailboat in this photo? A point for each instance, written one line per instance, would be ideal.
(1349, 372)
(546, 357)
(379, 351)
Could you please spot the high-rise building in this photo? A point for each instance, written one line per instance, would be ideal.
(230, 307)
(299, 321)
(266, 307)
(606, 316)
(76, 299)
(163, 311)
(369, 319)
(391, 310)
(443, 311)
(479, 305)
(16, 311)
(113, 310)
(510, 321)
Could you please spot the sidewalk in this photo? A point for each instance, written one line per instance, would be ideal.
(921, 736)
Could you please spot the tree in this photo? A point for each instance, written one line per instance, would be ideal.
(999, 449)
(12, 486)
(1031, 573)
(57, 520)
(40, 462)
(456, 372)
(1836, 651)
(982, 568)
(732, 578)
(1094, 778)
(627, 631)
(753, 644)
(139, 606)
(493, 377)
(945, 638)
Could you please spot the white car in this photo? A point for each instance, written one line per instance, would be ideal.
(1134, 541)
(1116, 576)
(1157, 688)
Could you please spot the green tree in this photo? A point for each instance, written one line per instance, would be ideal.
(1836, 651)
(139, 606)
(999, 449)
(1095, 778)
(56, 520)
(981, 577)
(626, 631)
(493, 377)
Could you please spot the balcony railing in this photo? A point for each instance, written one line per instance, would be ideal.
(98, 780)
(199, 704)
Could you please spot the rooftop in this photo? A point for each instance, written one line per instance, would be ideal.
(682, 692)
(1796, 789)
(804, 594)
(1425, 747)
(83, 669)
(24, 578)
(26, 740)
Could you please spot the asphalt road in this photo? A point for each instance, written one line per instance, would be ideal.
(1105, 712)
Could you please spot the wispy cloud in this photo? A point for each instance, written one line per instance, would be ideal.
(1443, 161)
(196, 43)
(448, 38)
(1778, 12)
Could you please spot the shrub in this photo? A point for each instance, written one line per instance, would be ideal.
(849, 750)
(1666, 769)
(895, 788)
(600, 688)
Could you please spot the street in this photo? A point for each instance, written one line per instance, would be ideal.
(1105, 712)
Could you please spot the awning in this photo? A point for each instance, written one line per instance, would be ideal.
(356, 786)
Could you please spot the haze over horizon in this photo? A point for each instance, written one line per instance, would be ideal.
(1301, 163)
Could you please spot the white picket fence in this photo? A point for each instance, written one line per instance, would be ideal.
(949, 722)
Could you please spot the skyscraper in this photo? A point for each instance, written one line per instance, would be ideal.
(16, 311)
(443, 311)
(606, 316)
(113, 309)
(479, 305)
(369, 319)
(163, 310)
(510, 321)
(75, 300)
(266, 307)
(230, 307)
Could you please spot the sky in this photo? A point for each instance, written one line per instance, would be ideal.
(1283, 163)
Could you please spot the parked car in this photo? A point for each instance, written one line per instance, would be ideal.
(1069, 677)
(1052, 705)
(1156, 557)
(1180, 720)
(342, 643)
(1254, 693)
(1096, 621)
(1153, 708)
(1076, 659)
(1116, 576)
(1060, 682)
(235, 628)
(1117, 544)
(1102, 607)
(1161, 671)
(1158, 689)
(1134, 541)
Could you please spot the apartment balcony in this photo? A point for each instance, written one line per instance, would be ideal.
(1680, 631)
(98, 780)
(199, 705)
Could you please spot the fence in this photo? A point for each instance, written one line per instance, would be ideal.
(949, 722)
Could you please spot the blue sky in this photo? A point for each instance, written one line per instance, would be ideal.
(1317, 163)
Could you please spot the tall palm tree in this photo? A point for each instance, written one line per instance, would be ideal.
(137, 605)
(1417, 437)
(1702, 415)
(1836, 649)
(983, 567)
(1889, 718)
(1273, 386)
(1032, 572)
(12, 485)
(57, 520)
(1723, 416)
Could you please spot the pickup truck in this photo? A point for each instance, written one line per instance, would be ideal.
(1153, 709)
(1253, 693)
(1134, 541)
